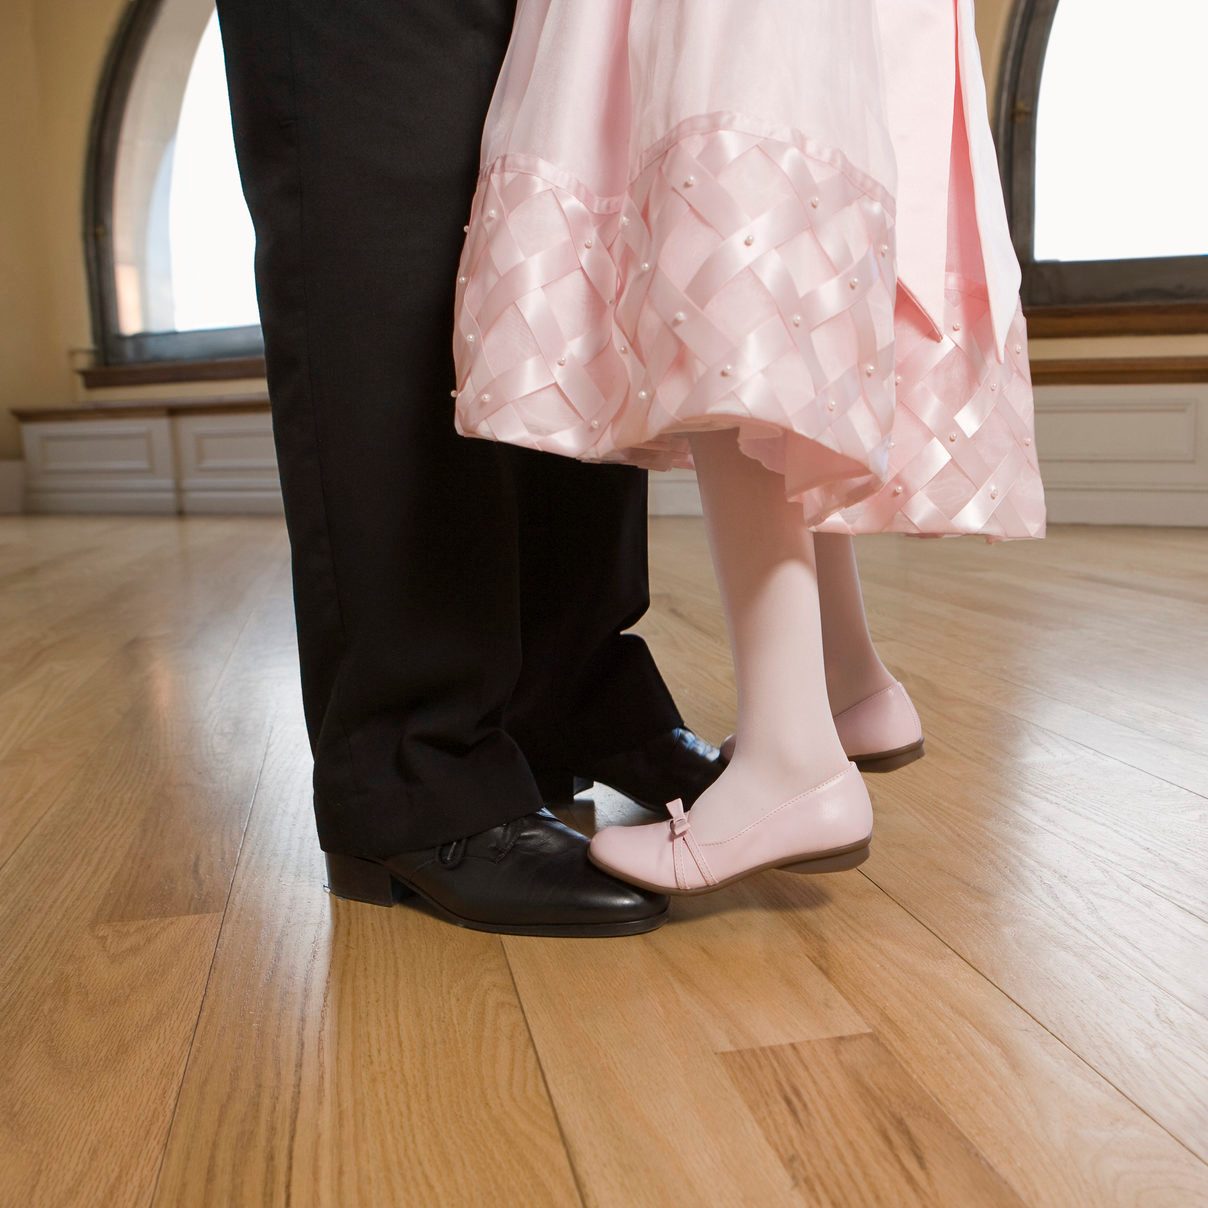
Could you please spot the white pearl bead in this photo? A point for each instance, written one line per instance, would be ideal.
(679, 316)
(898, 380)
(854, 283)
(796, 320)
(466, 229)
(993, 492)
(830, 406)
(624, 349)
(892, 442)
(956, 327)
(561, 360)
(1019, 348)
(461, 280)
(452, 393)
(470, 338)
(689, 182)
(993, 386)
(884, 249)
(645, 266)
(1027, 440)
(589, 243)
(897, 490)
(595, 423)
(492, 214)
(750, 239)
(869, 370)
(727, 370)
(624, 220)
(486, 398)
(643, 395)
(815, 202)
(952, 438)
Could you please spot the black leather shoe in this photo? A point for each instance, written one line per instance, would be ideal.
(530, 876)
(677, 764)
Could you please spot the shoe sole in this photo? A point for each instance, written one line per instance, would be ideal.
(354, 879)
(889, 761)
(842, 859)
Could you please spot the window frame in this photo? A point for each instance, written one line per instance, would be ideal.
(1177, 284)
(113, 347)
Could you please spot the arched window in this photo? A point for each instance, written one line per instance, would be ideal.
(170, 239)
(1100, 130)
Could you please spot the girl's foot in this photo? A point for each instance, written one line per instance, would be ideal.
(825, 829)
(880, 733)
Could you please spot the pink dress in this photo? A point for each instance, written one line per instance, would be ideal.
(783, 217)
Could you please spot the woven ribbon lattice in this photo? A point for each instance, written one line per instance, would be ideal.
(740, 282)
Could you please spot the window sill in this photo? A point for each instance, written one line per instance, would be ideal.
(1118, 319)
(157, 410)
(155, 373)
(1045, 371)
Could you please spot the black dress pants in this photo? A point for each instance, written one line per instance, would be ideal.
(460, 605)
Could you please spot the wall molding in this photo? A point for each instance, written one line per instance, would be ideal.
(1118, 452)
(165, 460)
(1123, 453)
(12, 486)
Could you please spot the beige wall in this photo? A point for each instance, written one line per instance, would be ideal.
(51, 52)
(992, 20)
(27, 343)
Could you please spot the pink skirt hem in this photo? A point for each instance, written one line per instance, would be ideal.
(742, 281)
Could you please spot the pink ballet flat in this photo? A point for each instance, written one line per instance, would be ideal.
(826, 829)
(880, 733)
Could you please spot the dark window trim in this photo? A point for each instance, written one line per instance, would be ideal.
(158, 373)
(1168, 282)
(112, 347)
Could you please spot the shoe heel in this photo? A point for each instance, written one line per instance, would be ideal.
(559, 787)
(891, 761)
(362, 881)
(843, 862)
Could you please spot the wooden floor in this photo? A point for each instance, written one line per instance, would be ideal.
(1006, 1005)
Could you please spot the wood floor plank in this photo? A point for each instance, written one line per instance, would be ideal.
(110, 907)
(1011, 1003)
(93, 1059)
(349, 1055)
(1081, 727)
(849, 1122)
(124, 648)
(657, 1121)
(1125, 663)
(1056, 1130)
(734, 978)
(1056, 929)
(1147, 827)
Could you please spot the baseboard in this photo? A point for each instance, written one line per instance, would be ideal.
(1109, 454)
(239, 501)
(1165, 509)
(151, 462)
(105, 502)
(1124, 454)
(674, 493)
(12, 486)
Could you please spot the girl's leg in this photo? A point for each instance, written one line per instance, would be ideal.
(854, 670)
(765, 561)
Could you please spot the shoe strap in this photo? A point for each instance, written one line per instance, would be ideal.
(684, 845)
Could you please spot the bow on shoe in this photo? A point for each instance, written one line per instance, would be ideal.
(688, 876)
(679, 820)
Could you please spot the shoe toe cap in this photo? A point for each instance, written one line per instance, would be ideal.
(637, 853)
